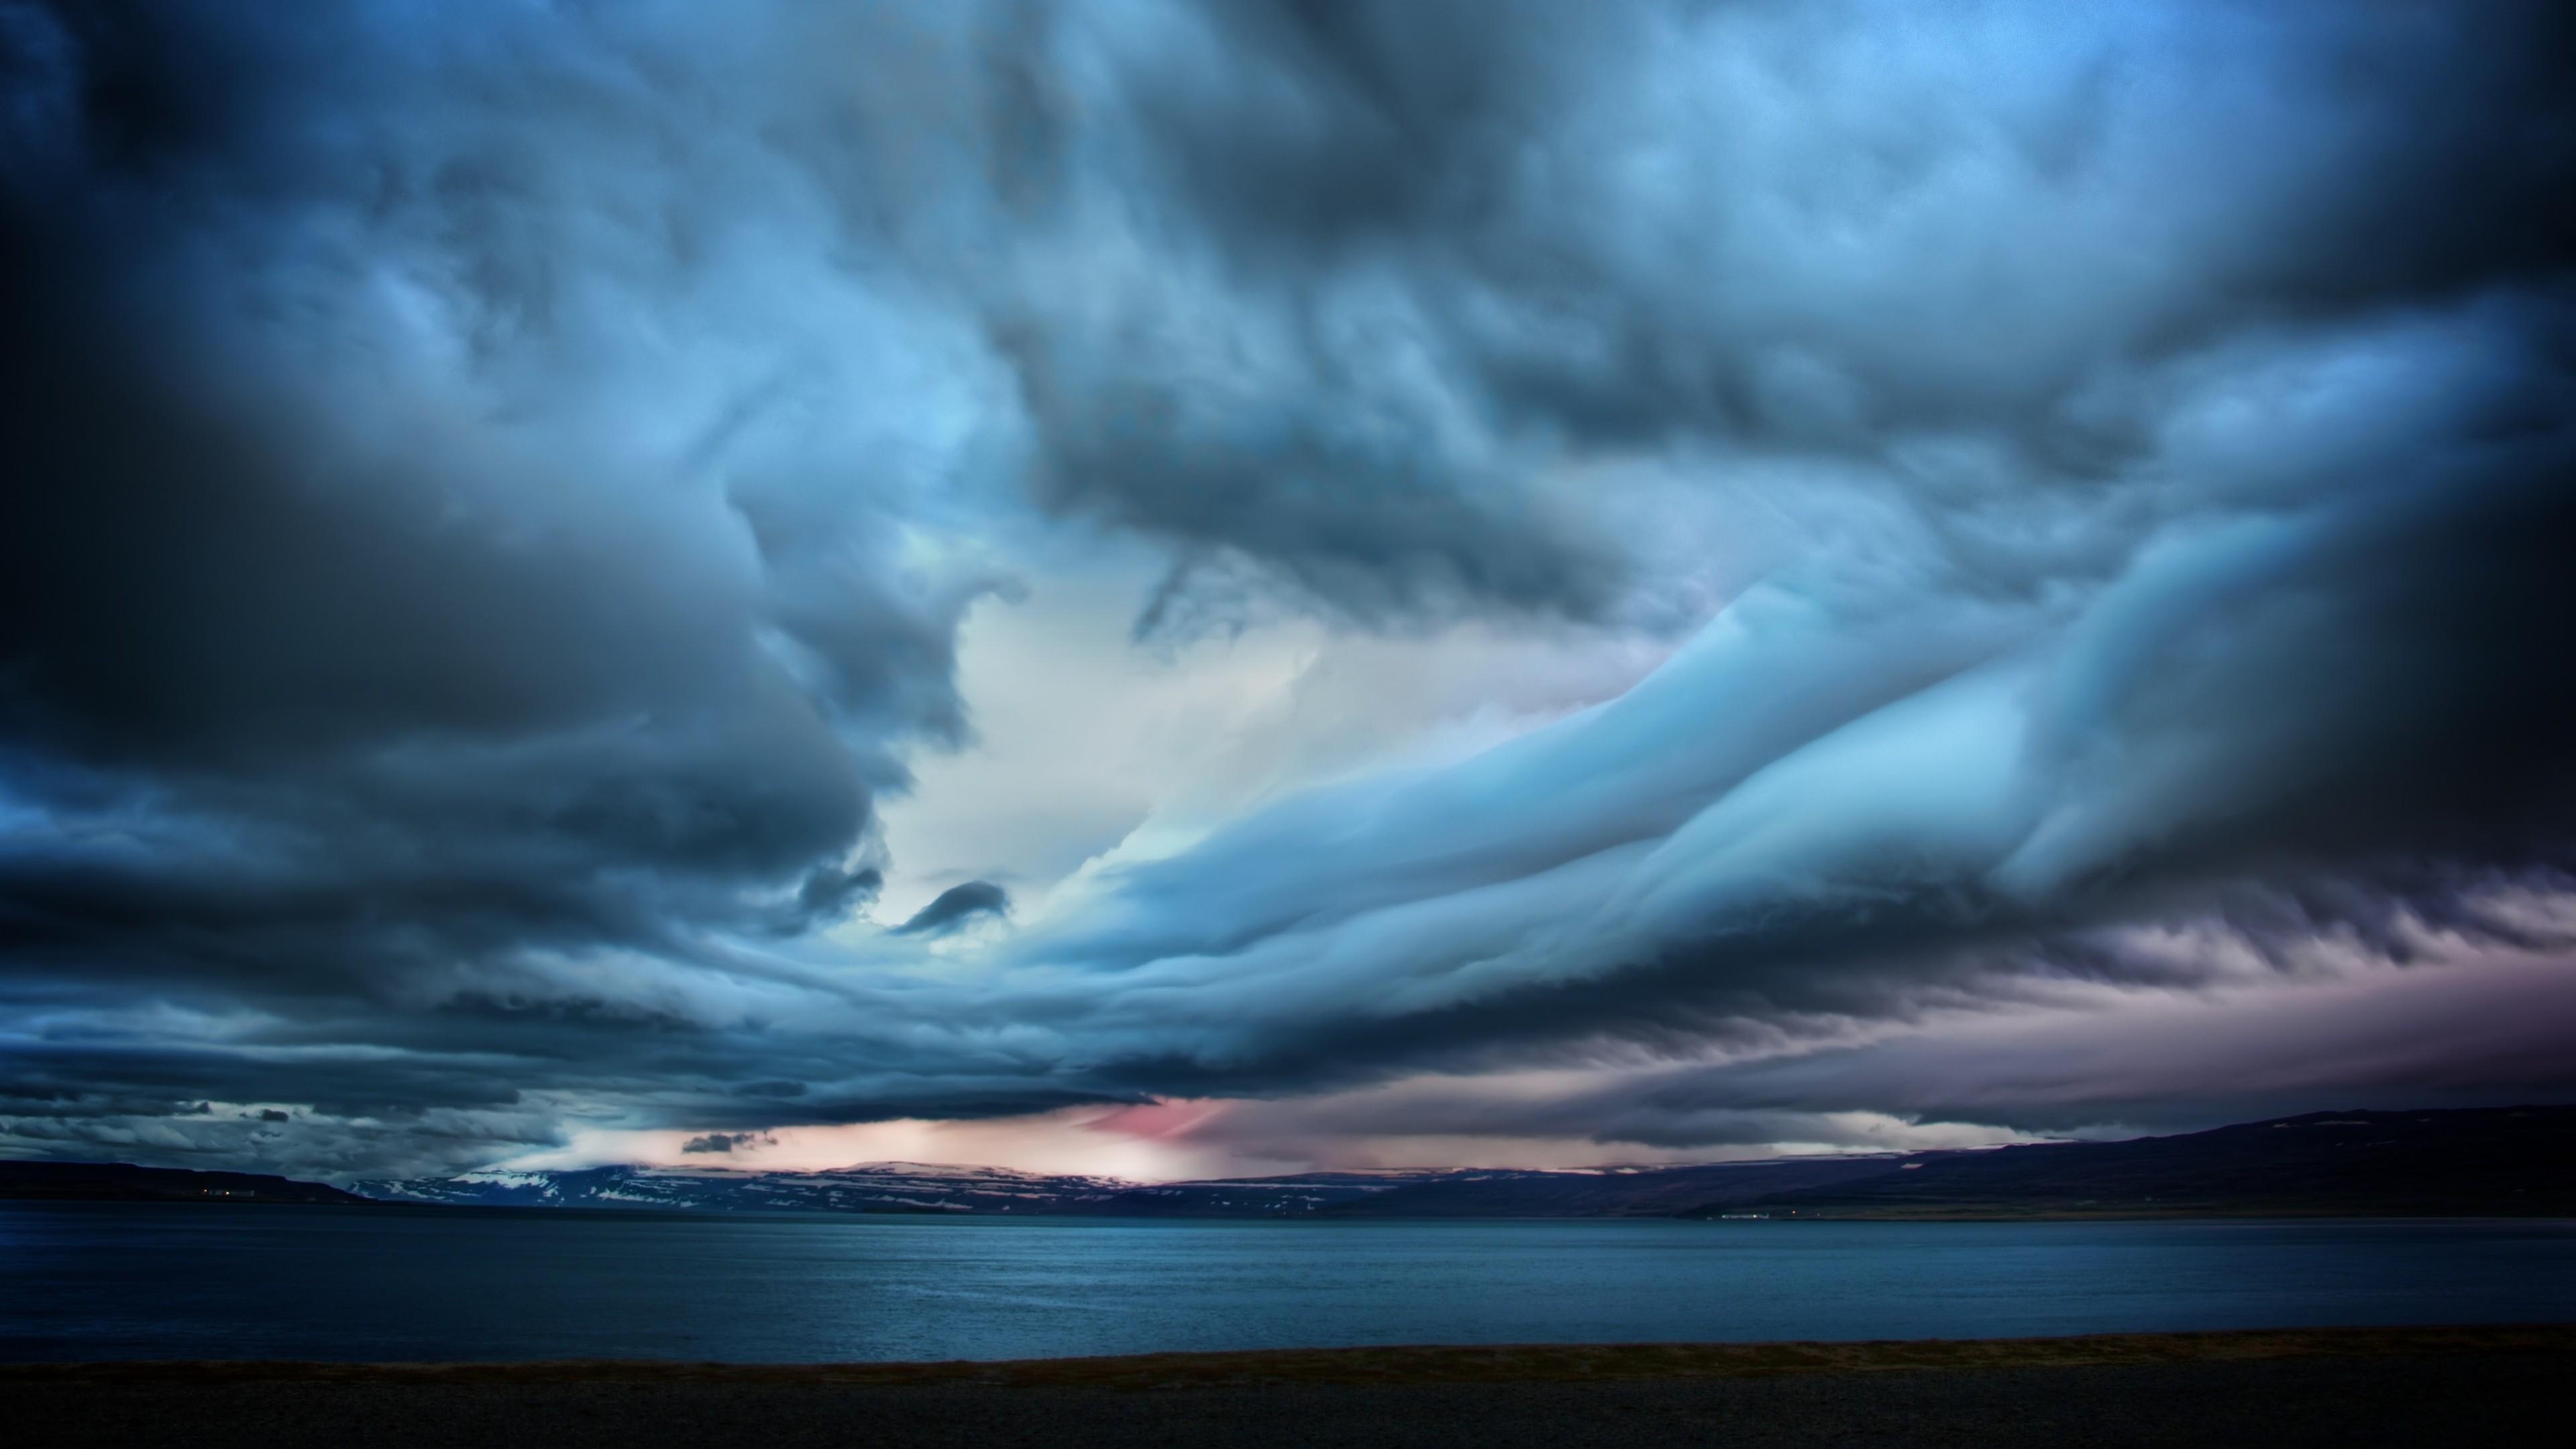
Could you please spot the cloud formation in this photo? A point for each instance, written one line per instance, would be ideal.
(494, 505)
(956, 906)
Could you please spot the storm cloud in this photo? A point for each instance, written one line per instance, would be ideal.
(956, 906)
(495, 499)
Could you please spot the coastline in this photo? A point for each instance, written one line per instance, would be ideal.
(2467, 1385)
(389, 1207)
(1411, 1363)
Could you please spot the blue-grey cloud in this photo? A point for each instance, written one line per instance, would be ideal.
(955, 907)
(494, 499)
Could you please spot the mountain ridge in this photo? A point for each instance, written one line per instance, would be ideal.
(2502, 1161)
(43, 1181)
(2468, 1161)
(2506, 1161)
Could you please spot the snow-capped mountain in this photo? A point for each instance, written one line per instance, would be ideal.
(885, 1187)
(873, 1187)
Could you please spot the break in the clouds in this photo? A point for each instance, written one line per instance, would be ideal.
(1599, 578)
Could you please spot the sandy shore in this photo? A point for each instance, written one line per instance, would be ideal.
(2365, 1386)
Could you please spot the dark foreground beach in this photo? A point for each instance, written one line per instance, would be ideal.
(2503, 1385)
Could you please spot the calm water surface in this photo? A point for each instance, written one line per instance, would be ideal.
(188, 1281)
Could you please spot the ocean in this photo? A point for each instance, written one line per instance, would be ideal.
(123, 1281)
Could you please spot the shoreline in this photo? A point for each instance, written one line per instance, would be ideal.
(2447, 1386)
(1910, 1214)
(1396, 1364)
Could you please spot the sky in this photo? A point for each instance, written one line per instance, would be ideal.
(1171, 589)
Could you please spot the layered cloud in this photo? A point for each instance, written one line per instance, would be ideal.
(495, 500)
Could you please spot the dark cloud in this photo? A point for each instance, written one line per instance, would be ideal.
(956, 906)
(722, 1141)
(492, 507)
(2488, 1033)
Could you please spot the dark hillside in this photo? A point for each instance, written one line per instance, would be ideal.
(2517, 1161)
(123, 1182)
